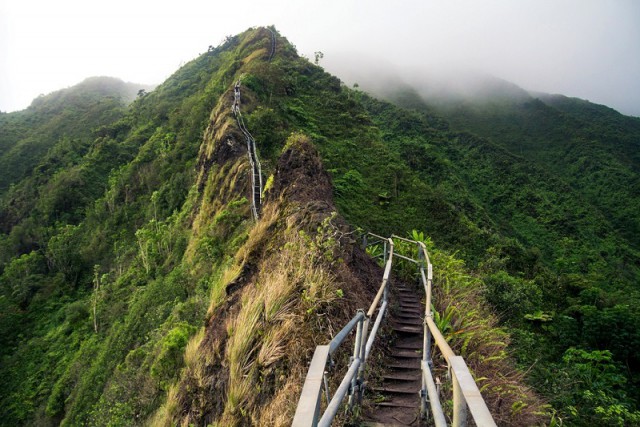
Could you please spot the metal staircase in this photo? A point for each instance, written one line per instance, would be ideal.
(410, 395)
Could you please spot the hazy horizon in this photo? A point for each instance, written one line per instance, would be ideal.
(586, 49)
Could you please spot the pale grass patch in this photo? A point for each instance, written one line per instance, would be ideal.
(267, 337)
(257, 234)
(258, 53)
(168, 411)
(219, 287)
(191, 355)
(241, 346)
(273, 345)
(221, 187)
(268, 326)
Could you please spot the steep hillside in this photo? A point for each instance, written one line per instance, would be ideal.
(593, 148)
(136, 287)
(63, 119)
(560, 176)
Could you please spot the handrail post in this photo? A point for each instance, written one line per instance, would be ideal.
(326, 387)
(384, 253)
(357, 351)
(459, 405)
(423, 395)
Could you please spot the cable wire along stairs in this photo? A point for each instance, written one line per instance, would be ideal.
(408, 384)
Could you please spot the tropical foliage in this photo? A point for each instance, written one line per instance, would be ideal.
(123, 225)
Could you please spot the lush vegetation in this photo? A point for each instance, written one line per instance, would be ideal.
(126, 228)
(559, 178)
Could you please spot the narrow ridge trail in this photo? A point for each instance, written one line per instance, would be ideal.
(256, 169)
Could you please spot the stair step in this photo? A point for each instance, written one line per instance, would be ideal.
(407, 292)
(410, 312)
(409, 302)
(408, 322)
(409, 346)
(411, 309)
(406, 364)
(397, 390)
(407, 329)
(411, 306)
(397, 376)
(407, 354)
(398, 404)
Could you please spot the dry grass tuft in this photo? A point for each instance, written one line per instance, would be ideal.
(258, 234)
(218, 289)
(191, 355)
(168, 411)
(269, 324)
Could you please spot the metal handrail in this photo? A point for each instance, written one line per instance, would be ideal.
(272, 51)
(308, 410)
(254, 161)
(315, 380)
(340, 336)
(465, 391)
(466, 395)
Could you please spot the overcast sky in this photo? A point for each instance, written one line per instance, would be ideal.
(584, 48)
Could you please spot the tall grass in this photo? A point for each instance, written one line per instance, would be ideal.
(471, 329)
(260, 329)
(270, 323)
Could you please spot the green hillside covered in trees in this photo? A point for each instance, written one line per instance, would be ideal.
(131, 270)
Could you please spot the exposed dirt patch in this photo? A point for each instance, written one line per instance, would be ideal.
(300, 176)
(303, 197)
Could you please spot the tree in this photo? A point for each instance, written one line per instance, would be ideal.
(318, 56)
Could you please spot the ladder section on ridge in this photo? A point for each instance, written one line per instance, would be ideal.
(256, 171)
(272, 50)
(254, 161)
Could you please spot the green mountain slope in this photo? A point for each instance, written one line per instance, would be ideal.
(560, 176)
(593, 148)
(134, 280)
(64, 117)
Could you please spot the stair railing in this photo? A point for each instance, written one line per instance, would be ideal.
(254, 161)
(309, 405)
(466, 394)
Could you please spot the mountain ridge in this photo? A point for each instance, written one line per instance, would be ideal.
(137, 283)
